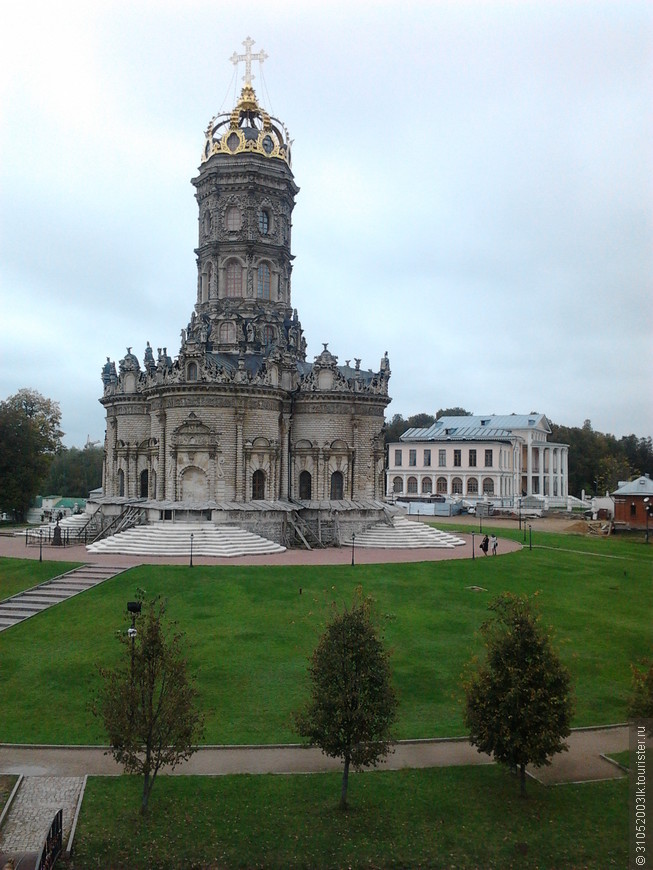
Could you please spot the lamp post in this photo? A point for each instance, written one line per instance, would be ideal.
(41, 544)
(520, 513)
(530, 536)
(191, 551)
(133, 607)
(353, 544)
(473, 554)
(647, 510)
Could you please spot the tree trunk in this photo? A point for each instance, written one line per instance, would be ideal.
(345, 783)
(522, 780)
(147, 788)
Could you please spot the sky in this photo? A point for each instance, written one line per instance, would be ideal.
(475, 179)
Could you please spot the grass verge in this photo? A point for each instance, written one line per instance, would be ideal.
(467, 817)
(16, 575)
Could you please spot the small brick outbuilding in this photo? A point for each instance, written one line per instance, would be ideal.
(633, 501)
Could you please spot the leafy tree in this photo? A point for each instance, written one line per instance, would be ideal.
(74, 473)
(148, 703)
(353, 704)
(518, 704)
(641, 699)
(452, 412)
(30, 437)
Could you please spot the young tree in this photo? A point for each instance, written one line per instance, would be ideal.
(148, 703)
(353, 703)
(518, 704)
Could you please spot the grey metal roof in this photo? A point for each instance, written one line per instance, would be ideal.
(487, 427)
(640, 486)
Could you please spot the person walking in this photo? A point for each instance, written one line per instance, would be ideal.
(485, 543)
(494, 543)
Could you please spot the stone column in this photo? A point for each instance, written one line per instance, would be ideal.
(239, 465)
(161, 473)
(541, 469)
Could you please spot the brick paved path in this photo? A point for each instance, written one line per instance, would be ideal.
(38, 800)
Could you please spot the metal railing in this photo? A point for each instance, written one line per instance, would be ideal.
(52, 845)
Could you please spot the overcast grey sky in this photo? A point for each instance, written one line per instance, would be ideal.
(475, 177)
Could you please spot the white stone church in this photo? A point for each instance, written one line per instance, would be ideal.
(239, 426)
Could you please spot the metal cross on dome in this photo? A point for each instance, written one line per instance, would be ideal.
(248, 57)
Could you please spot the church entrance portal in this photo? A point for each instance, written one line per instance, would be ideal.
(194, 485)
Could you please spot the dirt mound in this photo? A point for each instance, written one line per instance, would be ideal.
(580, 526)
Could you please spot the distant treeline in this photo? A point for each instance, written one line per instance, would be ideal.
(74, 473)
(597, 462)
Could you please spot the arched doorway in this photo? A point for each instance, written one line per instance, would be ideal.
(144, 480)
(258, 484)
(305, 483)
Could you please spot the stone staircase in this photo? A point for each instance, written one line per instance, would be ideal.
(32, 601)
(174, 539)
(402, 533)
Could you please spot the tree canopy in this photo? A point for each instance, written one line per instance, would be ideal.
(74, 473)
(30, 437)
(597, 462)
(352, 704)
(517, 703)
(148, 702)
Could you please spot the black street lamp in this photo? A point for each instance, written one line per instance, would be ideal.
(353, 544)
(530, 536)
(473, 554)
(41, 545)
(191, 551)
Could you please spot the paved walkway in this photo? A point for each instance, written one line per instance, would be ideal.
(582, 762)
(15, 547)
(37, 801)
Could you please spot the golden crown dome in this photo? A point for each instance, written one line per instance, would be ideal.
(247, 129)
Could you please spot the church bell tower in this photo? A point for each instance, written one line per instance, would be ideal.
(246, 195)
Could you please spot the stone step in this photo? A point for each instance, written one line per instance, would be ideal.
(166, 539)
(55, 591)
(405, 534)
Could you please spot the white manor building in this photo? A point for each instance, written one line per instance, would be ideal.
(500, 458)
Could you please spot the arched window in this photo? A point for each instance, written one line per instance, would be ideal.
(233, 218)
(441, 485)
(337, 486)
(191, 374)
(397, 484)
(427, 485)
(411, 486)
(227, 332)
(263, 281)
(305, 486)
(144, 483)
(234, 279)
(258, 484)
(488, 486)
(269, 335)
(121, 482)
(457, 486)
(472, 486)
(264, 221)
(207, 222)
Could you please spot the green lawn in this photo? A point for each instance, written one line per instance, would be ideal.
(16, 575)
(463, 818)
(250, 633)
